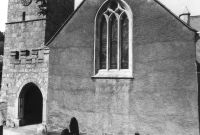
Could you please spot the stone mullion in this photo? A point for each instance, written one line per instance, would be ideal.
(108, 43)
(119, 43)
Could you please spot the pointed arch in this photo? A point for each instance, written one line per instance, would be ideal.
(41, 84)
(107, 4)
(30, 105)
(117, 16)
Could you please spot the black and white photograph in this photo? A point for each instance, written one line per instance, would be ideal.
(99, 67)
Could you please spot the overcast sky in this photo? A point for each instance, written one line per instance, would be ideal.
(177, 6)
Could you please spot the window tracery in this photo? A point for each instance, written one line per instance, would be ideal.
(113, 39)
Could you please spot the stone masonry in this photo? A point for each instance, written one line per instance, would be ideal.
(160, 99)
(25, 57)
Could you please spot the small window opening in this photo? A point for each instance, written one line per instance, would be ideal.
(27, 52)
(17, 55)
(23, 16)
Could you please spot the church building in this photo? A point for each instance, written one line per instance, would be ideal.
(26, 58)
(119, 67)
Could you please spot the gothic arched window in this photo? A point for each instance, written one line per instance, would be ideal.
(113, 40)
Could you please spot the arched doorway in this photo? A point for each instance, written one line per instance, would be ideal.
(30, 105)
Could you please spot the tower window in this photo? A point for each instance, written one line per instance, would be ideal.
(23, 16)
(17, 55)
(14, 55)
(113, 40)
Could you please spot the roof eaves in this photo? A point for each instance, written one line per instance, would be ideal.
(62, 26)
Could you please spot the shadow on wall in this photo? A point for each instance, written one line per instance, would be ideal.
(73, 128)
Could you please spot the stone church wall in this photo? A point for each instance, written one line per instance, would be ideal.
(26, 57)
(162, 97)
(15, 10)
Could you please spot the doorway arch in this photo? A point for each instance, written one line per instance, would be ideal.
(30, 105)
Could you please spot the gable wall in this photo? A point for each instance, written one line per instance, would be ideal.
(162, 97)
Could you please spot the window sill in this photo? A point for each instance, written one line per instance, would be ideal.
(113, 74)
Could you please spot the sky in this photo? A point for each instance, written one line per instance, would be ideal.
(177, 6)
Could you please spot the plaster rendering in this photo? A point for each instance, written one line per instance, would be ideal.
(156, 94)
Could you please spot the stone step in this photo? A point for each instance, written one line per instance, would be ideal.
(25, 130)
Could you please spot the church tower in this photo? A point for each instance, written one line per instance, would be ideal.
(25, 65)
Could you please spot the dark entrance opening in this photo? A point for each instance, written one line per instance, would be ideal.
(30, 105)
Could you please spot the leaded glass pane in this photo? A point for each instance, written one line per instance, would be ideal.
(113, 5)
(124, 42)
(103, 43)
(113, 43)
